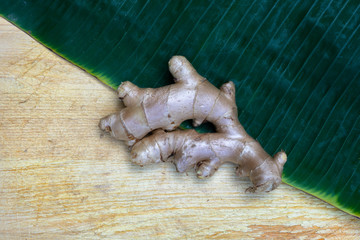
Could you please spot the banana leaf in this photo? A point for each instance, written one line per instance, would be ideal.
(295, 65)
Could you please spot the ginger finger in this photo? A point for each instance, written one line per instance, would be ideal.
(191, 97)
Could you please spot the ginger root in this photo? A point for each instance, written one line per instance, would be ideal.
(162, 110)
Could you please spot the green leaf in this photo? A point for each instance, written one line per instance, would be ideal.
(295, 65)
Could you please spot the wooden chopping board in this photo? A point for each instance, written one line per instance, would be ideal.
(61, 178)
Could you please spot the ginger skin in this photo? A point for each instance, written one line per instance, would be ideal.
(191, 97)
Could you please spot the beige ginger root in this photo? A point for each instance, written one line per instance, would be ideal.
(191, 97)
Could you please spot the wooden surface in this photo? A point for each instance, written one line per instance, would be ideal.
(61, 178)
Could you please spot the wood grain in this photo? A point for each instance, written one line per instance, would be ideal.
(60, 177)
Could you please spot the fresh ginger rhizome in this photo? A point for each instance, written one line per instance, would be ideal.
(161, 110)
